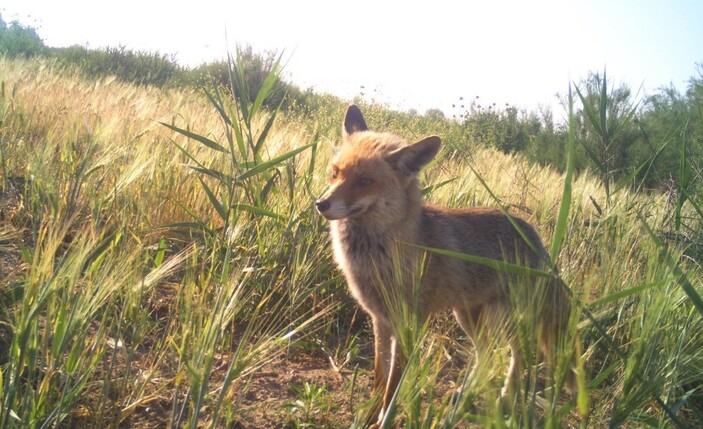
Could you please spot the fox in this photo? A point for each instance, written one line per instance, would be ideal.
(380, 226)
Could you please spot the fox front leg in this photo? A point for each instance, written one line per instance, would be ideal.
(383, 361)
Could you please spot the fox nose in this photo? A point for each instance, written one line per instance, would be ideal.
(322, 205)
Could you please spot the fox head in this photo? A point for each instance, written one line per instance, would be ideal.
(374, 175)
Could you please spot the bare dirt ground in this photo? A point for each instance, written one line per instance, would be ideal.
(270, 396)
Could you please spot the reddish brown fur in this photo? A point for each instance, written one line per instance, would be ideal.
(377, 217)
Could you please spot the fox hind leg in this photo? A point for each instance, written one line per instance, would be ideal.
(512, 380)
(470, 322)
(481, 324)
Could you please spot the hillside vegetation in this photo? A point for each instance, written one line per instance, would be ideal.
(626, 137)
(161, 263)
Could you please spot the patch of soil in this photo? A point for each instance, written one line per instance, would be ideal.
(267, 399)
(271, 389)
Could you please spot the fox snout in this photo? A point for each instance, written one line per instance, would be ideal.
(322, 205)
(330, 209)
(334, 207)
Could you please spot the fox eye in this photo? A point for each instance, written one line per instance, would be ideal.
(335, 172)
(364, 181)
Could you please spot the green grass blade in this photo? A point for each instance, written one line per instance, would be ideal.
(625, 120)
(60, 328)
(215, 99)
(496, 264)
(682, 183)
(186, 153)
(313, 163)
(258, 211)
(197, 137)
(160, 253)
(98, 253)
(272, 162)
(270, 183)
(217, 103)
(604, 105)
(677, 406)
(626, 292)
(429, 189)
(562, 218)
(241, 87)
(267, 128)
(241, 144)
(184, 225)
(681, 277)
(267, 87)
(693, 203)
(602, 376)
(649, 163)
(214, 201)
(593, 157)
(590, 113)
(219, 176)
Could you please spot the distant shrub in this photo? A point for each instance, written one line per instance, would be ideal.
(436, 114)
(508, 130)
(139, 67)
(17, 40)
(670, 149)
(256, 67)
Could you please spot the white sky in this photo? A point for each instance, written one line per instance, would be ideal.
(414, 54)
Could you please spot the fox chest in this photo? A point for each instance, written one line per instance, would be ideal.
(369, 263)
(363, 257)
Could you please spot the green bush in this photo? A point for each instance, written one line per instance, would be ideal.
(140, 67)
(256, 67)
(17, 40)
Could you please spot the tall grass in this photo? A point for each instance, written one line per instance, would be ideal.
(161, 266)
(102, 281)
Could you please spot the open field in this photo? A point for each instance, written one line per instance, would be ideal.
(148, 279)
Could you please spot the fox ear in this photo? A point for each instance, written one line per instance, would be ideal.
(354, 121)
(410, 159)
